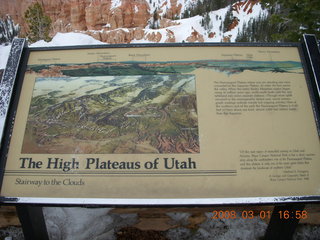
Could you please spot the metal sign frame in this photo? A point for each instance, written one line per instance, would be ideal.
(308, 57)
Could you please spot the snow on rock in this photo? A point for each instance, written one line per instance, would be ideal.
(59, 220)
(170, 7)
(115, 4)
(222, 229)
(310, 232)
(86, 223)
(181, 31)
(180, 218)
(101, 223)
(105, 16)
(68, 39)
(184, 30)
(9, 75)
(244, 12)
(187, 27)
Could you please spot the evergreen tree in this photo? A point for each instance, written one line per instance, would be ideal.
(154, 24)
(39, 24)
(243, 35)
(186, 14)
(228, 19)
(294, 18)
(206, 22)
(8, 30)
(258, 30)
(205, 6)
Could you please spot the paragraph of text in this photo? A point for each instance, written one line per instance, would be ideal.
(238, 97)
(290, 165)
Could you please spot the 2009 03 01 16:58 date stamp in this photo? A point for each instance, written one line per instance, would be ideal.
(250, 214)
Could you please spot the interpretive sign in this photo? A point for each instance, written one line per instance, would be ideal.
(166, 124)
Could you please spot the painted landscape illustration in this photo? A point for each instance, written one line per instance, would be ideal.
(124, 107)
(156, 68)
(113, 114)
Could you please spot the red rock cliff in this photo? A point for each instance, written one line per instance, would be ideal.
(83, 15)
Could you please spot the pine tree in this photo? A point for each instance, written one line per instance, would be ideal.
(205, 6)
(294, 18)
(228, 19)
(154, 24)
(186, 14)
(8, 30)
(206, 22)
(258, 30)
(39, 24)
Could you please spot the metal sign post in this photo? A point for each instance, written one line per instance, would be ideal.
(32, 222)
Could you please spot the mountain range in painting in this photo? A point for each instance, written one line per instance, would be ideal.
(113, 114)
(155, 68)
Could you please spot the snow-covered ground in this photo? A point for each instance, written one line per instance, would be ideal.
(213, 31)
(182, 30)
(184, 27)
(67, 39)
(163, 5)
(60, 39)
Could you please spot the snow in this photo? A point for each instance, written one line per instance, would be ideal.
(104, 224)
(4, 54)
(101, 223)
(181, 31)
(179, 218)
(245, 17)
(2, 120)
(163, 5)
(72, 223)
(68, 39)
(6, 86)
(186, 26)
(115, 4)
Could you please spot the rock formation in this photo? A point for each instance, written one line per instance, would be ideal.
(248, 5)
(89, 16)
(117, 21)
(195, 37)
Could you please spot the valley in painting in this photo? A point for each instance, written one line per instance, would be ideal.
(113, 114)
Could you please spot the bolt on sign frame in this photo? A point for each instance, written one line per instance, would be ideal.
(169, 124)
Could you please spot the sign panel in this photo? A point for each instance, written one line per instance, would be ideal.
(196, 122)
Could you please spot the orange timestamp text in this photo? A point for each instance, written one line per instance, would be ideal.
(250, 214)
